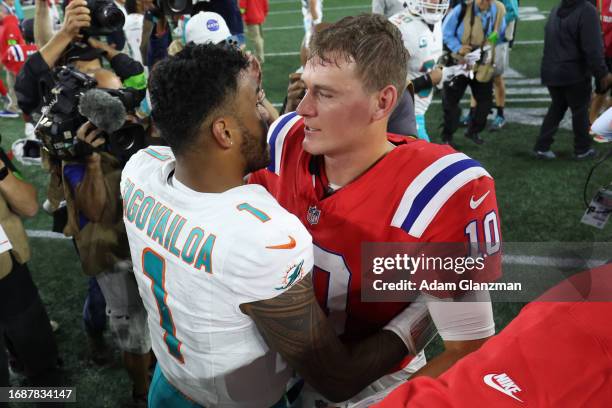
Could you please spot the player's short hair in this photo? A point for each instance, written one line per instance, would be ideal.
(187, 88)
(372, 42)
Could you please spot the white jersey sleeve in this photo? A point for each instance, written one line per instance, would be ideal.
(266, 263)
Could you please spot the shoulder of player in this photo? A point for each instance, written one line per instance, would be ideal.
(282, 133)
(266, 220)
(439, 173)
(145, 159)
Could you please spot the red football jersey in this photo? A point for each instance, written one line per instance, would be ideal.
(419, 192)
(553, 354)
(15, 56)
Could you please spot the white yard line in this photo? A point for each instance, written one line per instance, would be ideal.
(45, 234)
(529, 42)
(281, 54)
(293, 27)
(298, 10)
(507, 259)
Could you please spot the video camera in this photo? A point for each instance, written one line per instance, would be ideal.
(74, 100)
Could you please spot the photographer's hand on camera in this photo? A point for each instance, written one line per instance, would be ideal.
(109, 52)
(90, 194)
(89, 139)
(295, 92)
(77, 17)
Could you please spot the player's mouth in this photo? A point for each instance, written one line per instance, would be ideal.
(310, 130)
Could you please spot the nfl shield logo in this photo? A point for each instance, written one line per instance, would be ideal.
(313, 215)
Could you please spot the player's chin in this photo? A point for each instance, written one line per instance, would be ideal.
(314, 147)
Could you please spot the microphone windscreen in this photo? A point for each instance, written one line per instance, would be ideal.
(104, 111)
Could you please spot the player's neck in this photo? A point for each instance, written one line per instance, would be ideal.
(343, 168)
(208, 176)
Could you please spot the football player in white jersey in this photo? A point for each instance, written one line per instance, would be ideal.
(223, 269)
(312, 10)
(421, 27)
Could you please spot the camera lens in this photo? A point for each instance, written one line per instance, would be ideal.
(178, 6)
(110, 17)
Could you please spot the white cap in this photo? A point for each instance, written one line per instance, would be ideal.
(206, 27)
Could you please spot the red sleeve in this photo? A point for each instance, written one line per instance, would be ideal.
(266, 7)
(526, 364)
(469, 224)
(266, 178)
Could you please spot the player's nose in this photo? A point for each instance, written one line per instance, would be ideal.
(306, 108)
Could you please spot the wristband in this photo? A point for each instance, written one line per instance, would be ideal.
(414, 326)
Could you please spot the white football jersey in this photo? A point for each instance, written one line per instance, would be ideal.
(425, 48)
(309, 22)
(199, 256)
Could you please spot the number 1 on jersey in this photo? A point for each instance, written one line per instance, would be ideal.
(154, 267)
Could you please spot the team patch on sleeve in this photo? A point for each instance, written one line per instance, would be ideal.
(432, 188)
(276, 138)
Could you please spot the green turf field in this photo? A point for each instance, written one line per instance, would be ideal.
(538, 201)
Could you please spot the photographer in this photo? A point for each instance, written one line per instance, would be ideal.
(469, 28)
(91, 188)
(24, 324)
(66, 47)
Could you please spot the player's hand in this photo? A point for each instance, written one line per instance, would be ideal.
(605, 83)
(255, 68)
(89, 135)
(465, 49)
(108, 50)
(435, 75)
(295, 92)
(76, 17)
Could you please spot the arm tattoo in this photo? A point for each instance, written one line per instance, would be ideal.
(294, 325)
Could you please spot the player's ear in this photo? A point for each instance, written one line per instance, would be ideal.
(385, 102)
(223, 132)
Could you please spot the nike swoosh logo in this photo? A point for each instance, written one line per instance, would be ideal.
(289, 245)
(475, 204)
(488, 379)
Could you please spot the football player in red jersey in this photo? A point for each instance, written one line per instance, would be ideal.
(334, 166)
(521, 366)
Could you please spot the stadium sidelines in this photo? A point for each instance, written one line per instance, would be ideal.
(507, 259)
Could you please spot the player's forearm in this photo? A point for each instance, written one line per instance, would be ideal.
(447, 358)
(340, 371)
(91, 193)
(54, 49)
(294, 325)
(20, 196)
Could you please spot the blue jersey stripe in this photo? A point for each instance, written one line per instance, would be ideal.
(432, 188)
(272, 142)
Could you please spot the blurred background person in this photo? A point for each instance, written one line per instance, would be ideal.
(573, 53)
(502, 61)
(601, 101)
(421, 27)
(24, 325)
(254, 13)
(388, 7)
(312, 11)
(469, 28)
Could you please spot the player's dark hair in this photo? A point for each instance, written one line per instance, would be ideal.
(372, 42)
(187, 88)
